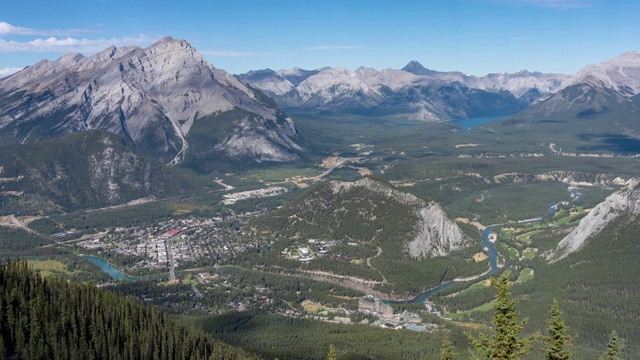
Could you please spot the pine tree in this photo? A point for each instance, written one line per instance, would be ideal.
(447, 352)
(559, 340)
(3, 350)
(506, 342)
(332, 353)
(613, 348)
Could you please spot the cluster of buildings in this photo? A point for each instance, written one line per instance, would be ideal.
(230, 199)
(175, 242)
(387, 318)
(307, 252)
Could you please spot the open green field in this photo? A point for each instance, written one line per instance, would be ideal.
(526, 237)
(465, 314)
(529, 253)
(526, 274)
(49, 267)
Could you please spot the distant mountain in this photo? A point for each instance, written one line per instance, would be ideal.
(83, 170)
(613, 86)
(414, 91)
(166, 99)
(416, 68)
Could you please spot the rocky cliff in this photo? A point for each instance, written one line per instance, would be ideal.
(371, 211)
(623, 202)
(84, 170)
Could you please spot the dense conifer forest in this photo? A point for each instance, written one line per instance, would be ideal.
(54, 319)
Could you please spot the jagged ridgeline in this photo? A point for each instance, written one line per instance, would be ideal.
(598, 104)
(83, 170)
(413, 92)
(165, 99)
(53, 319)
(414, 237)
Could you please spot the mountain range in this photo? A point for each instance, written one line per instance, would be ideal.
(166, 100)
(603, 98)
(414, 91)
(170, 105)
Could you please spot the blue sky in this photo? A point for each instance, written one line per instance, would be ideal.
(473, 36)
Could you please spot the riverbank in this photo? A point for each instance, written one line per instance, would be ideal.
(110, 269)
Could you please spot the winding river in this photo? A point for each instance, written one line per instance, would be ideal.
(109, 269)
(490, 249)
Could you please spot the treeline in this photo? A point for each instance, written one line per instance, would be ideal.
(507, 339)
(18, 242)
(597, 287)
(53, 319)
(294, 289)
(271, 258)
(140, 215)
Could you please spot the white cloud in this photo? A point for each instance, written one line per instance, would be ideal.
(70, 44)
(8, 71)
(8, 29)
(335, 47)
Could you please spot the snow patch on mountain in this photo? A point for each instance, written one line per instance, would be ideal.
(412, 91)
(621, 73)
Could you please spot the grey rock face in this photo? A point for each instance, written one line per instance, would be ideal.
(150, 96)
(623, 202)
(599, 88)
(437, 235)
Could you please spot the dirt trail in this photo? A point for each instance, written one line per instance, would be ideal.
(384, 279)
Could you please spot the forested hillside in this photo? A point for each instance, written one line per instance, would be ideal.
(52, 319)
(84, 170)
(411, 242)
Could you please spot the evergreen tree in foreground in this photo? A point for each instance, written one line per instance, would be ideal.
(447, 351)
(558, 341)
(506, 342)
(613, 348)
(53, 319)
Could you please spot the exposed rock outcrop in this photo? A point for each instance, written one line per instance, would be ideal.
(152, 97)
(414, 91)
(623, 202)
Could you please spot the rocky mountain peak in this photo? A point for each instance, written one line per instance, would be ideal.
(152, 96)
(435, 233)
(413, 91)
(416, 68)
(621, 74)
